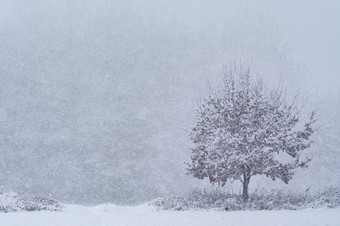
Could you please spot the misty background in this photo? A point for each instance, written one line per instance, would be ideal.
(97, 96)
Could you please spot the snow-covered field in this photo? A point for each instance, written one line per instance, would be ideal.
(74, 215)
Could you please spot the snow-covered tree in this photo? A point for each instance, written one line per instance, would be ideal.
(245, 129)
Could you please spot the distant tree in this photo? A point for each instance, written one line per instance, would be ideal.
(244, 129)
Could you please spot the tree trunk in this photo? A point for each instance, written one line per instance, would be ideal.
(246, 180)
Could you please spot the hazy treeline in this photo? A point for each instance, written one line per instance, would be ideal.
(97, 96)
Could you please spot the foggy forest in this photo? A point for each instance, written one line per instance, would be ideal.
(98, 99)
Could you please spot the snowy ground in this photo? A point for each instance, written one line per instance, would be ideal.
(145, 215)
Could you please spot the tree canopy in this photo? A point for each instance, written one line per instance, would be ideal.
(241, 130)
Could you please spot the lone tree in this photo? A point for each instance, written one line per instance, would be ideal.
(244, 129)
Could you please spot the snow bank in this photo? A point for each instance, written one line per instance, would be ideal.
(109, 215)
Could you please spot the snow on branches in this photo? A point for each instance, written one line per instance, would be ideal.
(241, 129)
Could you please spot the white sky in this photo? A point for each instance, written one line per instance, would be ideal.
(312, 33)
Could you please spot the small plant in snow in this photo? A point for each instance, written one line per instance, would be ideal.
(11, 202)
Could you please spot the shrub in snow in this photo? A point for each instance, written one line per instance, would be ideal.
(242, 128)
(327, 198)
(11, 202)
(259, 200)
